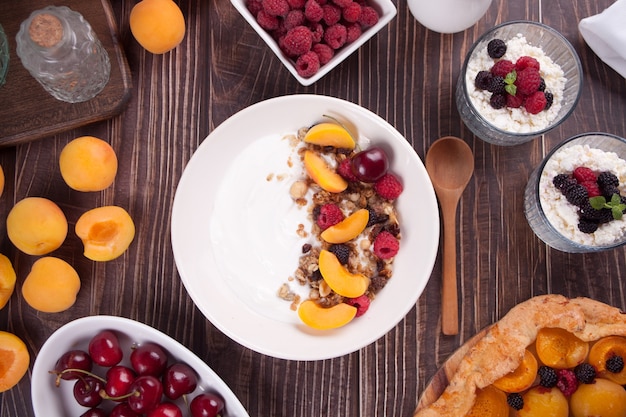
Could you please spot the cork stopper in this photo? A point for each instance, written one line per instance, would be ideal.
(45, 30)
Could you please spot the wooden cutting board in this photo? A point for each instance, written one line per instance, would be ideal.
(27, 111)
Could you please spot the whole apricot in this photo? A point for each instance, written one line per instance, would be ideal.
(106, 232)
(489, 402)
(14, 360)
(158, 25)
(88, 164)
(544, 402)
(36, 226)
(7, 280)
(51, 286)
(602, 398)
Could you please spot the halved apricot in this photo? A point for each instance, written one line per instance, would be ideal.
(489, 402)
(559, 348)
(51, 286)
(14, 360)
(339, 279)
(522, 377)
(317, 317)
(544, 402)
(605, 349)
(348, 228)
(36, 226)
(330, 134)
(602, 398)
(7, 280)
(106, 232)
(322, 174)
(1, 180)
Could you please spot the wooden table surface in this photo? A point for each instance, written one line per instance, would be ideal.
(406, 74)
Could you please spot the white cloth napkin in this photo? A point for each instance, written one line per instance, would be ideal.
(605, 33)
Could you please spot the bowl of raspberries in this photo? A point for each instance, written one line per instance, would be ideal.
(311, 37)
(519, 80)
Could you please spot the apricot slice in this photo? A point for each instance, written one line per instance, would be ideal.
(339, 279)
(51, 286)
(544, 402)
(14, 360)
(88, 164)
(560, 349)
(603, 350)
(106, 232)
(158, 25)
(317, 317)
(521, 378)
(36, 226)
(322, 174)
(330, 134)
(7, 280)
(348, 228)
(602, 398)
(489, 402)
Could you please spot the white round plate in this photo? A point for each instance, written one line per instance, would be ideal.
(51, 401)
(234, 229)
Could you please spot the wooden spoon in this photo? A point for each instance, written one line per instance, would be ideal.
(450, 165)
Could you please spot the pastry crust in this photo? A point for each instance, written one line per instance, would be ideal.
(501, 349)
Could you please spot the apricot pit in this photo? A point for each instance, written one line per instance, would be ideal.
(36, 226)
(322, 174)
(106, 232)
(51, 286)
(330, 134)
(321, 318)
(348, 228)
(88, 164)
(339, 279)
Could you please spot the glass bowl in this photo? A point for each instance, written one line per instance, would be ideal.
(510, 126)
(4, 56)
(554, 220)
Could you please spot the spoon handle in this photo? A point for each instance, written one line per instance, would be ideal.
(449, 300)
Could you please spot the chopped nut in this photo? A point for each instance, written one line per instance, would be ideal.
(324, 289)
(298, 189)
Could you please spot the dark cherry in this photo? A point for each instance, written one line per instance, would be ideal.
(148, 359)
(148, 391)
(73, 359)
(370, 164)
(179, 379)
(94, 412)
(122, 410)
(119, 381)
(87, 391)
(206, 405)
(105, 349)
(165, 409)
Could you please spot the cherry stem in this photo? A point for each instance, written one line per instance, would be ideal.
(57, 382)
(106, 396)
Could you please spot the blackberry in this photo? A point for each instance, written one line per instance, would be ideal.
(496, 48)
(542, 85)
(587, 212)
(615, 364)
(608, 191)
(563, 181)
(587, 226)
(515, 400)
(315, 276)
(496, 85)
(376, 218)
(585, 373)
(342, 252)
(606, 179)
(549, 99)
(547, 376)
(482, 80)
(577, 195)
(497, 100)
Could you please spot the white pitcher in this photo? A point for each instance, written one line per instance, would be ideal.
(448, 16)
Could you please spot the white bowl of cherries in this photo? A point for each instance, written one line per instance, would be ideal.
(115, 367)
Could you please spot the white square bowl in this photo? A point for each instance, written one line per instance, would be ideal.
(386, 11)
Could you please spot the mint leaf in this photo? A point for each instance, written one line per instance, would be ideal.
(510, 77)
(617, 213)
(511, 89)
(598, 203)
(616, 206)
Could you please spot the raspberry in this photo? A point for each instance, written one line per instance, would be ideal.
(482, 80)
(313, 11)
(352, 12)
(362, 304)
(585, 373)
(528, 81)
(547, 376)
(584, 174)
(514, 102)
(325, 54)
(342, 3)
(296, 4)
(335, 36)
(353, 31)
(317, 30)
(502, 68)
(535, 102)
(498, 100)
(254, 6)
(388, 187)
(276, 7)
(298, 41)
(524, 62)
(515, 401)
(332, 14)
(567, 382)
(386, 245)
(369, 17)
(345, 167)
(615, 364)
(496, 48)
(267, 21)
(307, 64)
(294, 18)
(592, 188)
(329, 215)
(342, 252)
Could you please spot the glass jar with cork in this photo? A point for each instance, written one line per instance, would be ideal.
(61, 51)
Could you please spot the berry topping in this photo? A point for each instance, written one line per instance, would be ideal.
(585, 373)
(345, 170)
(498, 100)
(496, 48)
(524, 62)
(577, 195)
(563, 181)
(362, 304)
(592, 188)
(329, 215)
(502, 68)
(615, 364)
(608, 181)
(482, 80)
(496, 84)
(386, 245)
(587, 226)
(542, 85)
(567, 382)
(535, 103)
(583, 174)
(376, 218)
(549, 99)
(547, 376)
(528, 81)
(515, 401)
(514, 102)
(388, 186)
(342, 252)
